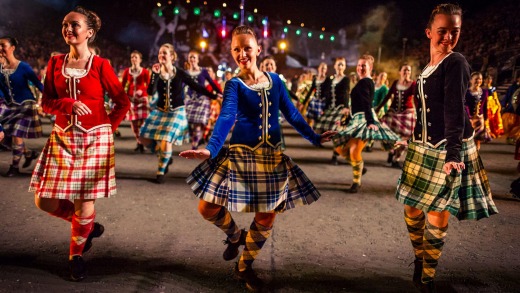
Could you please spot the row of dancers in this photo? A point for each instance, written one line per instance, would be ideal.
(442, 173)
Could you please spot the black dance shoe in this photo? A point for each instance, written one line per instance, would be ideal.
(78, 268)
(253, 282)
(95, 233)
(354, 188)
(29, 158)
(232, 248)
(12, 172)
(159, 179)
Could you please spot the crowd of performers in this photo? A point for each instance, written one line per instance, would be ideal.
(442, 118)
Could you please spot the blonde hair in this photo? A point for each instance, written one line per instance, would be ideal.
(244, 30)
(172, 50)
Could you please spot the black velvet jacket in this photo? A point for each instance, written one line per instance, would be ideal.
(441, 116)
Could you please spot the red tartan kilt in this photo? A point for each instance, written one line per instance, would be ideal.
(138, 110)
(76, 165)
(401, 123)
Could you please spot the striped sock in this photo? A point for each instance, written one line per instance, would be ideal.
(357, 169)
(17, 153)
(415, 228)
(81, 228)
(164, 158)
(434, 239)
(65, 210)
(224, 221)
(255, 239)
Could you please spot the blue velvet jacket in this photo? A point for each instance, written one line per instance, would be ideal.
(255, 116)
(14, 88)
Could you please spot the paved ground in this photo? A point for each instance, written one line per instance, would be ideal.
(155, 241)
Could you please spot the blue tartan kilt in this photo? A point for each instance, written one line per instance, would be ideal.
(315, 108)
(425, 186)
(197, 109)
(169, 126)
(20, 120)
(357, 128)
(245, 180)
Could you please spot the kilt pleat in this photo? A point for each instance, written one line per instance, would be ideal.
(424, 185)
(20, 120)
(243, 180)
(402, 123)
(138, 109)
(76, 165)
(169, 126)
(197, 109)
(315, 108)
(357, 127)
(329, 118)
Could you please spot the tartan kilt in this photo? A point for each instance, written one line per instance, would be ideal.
(328, 119)
(357, 127)
(402, 123)
(21, 120)
(315, 108)
(481, 133)
(138, 109)
(169, 126)
(76, 165)
(197, 109)
(245, 180)
(424, 185)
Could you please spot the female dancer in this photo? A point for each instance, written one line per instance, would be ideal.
(252, 175)
(198, 106)
(441, 152)
(214, 108)
(167, 124)
(77, 163)
(135, 82)
(319, 90)
(363, 125)
(18, 107)
(336, 104)
(401, 116)
(476, 107)
(494, 122)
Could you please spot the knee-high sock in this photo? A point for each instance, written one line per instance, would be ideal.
(415, 228)
(434, 239)
(164, 158)
(357, 169)
(65, 210)
(255, 239)
(81, 228)
(224, 221)
(17, 153)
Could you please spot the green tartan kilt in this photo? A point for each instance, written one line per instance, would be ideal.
(425, 186)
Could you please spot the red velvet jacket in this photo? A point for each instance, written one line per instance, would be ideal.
(132, 85)
(60, 91)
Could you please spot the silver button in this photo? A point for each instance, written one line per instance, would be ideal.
(420, 135)
(260, 127)
(260, 105)
(77, 80)
(78, 91)
(270, 103)
(269, 114)
(259, 94)
(269, 125)
(259, 138)
(429, 138)
(428, 110)
(260, 115)
(429, 124)
(269, 136)
(79, 122)
(425, 96)
(420, 109)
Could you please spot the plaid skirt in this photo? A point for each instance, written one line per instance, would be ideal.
(425, 186)
(315, 108)
(357, 127)
(197, 109)
(243, 180)
(169, 126)
(402, 123)
(20, 120)
(328, 119)
(76, 165)
(481, 133)
(138, 109)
